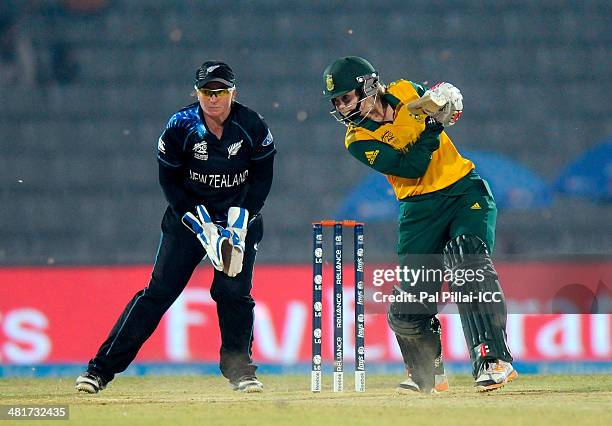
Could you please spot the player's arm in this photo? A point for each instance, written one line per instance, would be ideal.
(261, 169)
(171, 182)
(170, 158)
(411, 164)
(261, 174)
(259, 184)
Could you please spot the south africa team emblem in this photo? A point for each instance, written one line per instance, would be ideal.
(329, 82)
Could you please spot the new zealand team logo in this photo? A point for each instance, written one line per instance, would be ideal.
(202, 73)
(200, 151)
(234, 148)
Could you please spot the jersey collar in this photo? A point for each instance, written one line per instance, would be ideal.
(372, 125)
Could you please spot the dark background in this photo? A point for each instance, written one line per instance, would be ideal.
(79, 122)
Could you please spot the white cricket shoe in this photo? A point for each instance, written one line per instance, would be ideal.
(408, 385)
(494, 374)
(247, 384)
(89, 383)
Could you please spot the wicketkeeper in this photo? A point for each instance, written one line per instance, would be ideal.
(216, 161)
(447, 216)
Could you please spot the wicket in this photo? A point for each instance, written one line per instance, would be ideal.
(317, 305)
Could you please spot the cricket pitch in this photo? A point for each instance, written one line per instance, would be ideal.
(287, 400)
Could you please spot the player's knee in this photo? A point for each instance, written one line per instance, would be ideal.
(163, 296)
(466, 251)
(468, 258)
(463, 245)
(229, 291)
(412, 326)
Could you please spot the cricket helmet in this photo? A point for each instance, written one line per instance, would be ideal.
(349, 73)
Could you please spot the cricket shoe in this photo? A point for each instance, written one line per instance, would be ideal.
(247, 384)
(90, 383)
(408, 385)
(494, 374)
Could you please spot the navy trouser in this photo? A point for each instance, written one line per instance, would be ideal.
(179, 254)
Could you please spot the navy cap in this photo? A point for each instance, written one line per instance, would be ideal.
(215, 71)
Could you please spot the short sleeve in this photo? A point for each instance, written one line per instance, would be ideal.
(170, 145)
(263, 142)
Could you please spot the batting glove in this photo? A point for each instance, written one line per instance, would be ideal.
(214, 238)
(237, 223)
(450, 98)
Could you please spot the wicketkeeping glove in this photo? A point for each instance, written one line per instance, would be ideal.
(237, 223)
(451, 100)
(214, 238)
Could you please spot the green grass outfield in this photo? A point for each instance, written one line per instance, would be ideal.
(207, 400)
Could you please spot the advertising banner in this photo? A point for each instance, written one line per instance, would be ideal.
(61, 315)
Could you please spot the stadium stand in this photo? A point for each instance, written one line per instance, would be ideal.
(77, 158)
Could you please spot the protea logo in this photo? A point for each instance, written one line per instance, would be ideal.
(329, 82)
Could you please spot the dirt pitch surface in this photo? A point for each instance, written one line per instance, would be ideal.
(207, 400)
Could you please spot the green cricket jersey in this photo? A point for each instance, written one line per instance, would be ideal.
(414, 160)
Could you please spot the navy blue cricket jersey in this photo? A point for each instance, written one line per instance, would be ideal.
(213, 172)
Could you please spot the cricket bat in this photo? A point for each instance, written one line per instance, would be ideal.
(427, 105)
